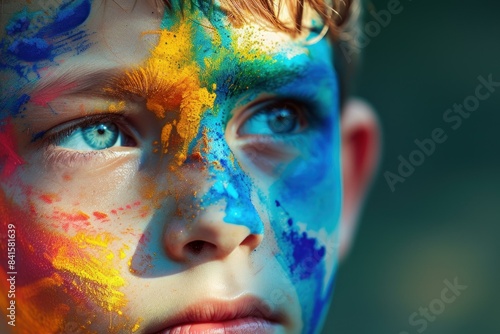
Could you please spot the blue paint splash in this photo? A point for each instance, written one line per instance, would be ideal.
(70, 16)
(231, 184)
(18, 105)
(307, 255)
(30, 38)
(31, 49)
(19, 23)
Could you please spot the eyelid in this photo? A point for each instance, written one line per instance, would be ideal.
(305, 108)
(58, 132)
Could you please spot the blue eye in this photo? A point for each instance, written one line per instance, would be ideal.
(97, 136)
(275, 119)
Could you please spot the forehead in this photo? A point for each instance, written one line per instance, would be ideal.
(43, 41)
(69, 12)
(29, 29)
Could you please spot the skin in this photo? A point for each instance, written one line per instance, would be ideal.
(202, 200)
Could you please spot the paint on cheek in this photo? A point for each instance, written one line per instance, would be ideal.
(64, 279)
(93, 272)
(313, 181)
(307, 254)
(304, 257)
(304, 254)
(41, 308)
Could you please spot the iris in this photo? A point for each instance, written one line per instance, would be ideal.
(100, 136)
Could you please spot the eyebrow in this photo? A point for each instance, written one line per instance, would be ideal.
(234, 78)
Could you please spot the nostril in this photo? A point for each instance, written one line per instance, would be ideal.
(196, 246)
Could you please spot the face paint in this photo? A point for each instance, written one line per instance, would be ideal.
(33, 40)
(9, 159)
(83, 265)
(312, 181)
(32, 35)
(169, 81)
(201, 75)
(248, 66)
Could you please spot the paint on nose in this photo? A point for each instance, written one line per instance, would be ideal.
(230, 184)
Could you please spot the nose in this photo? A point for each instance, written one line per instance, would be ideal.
(208, 237)
(221, 217)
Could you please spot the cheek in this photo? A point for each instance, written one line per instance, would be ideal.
(305, 212)
(74, 231)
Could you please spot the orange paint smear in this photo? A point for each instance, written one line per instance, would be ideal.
(100, 215)
(50, 198)
(169, 82)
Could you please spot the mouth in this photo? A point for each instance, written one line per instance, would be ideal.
(247, 315)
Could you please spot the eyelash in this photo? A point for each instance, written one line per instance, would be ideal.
(53, 156)
(55, 138)
(306, 108)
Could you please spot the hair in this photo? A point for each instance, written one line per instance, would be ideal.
(340, 17)
(334, 14)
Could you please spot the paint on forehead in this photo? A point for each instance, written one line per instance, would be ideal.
(30, 34)
(31, 44)
(169, 82)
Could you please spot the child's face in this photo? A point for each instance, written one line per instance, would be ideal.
(166, 169)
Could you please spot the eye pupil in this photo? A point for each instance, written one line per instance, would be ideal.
(282, 120)
(101, 136)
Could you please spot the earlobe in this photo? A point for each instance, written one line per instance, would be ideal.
(360, 155)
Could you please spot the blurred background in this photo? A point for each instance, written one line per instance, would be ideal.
(443, 222)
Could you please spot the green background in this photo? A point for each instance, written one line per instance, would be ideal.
(444, 220)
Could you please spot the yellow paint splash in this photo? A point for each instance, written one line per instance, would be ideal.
(95, 275)
(137, 325)
(169, 82)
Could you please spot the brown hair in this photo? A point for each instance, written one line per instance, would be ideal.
(334, 13)
(341, 18)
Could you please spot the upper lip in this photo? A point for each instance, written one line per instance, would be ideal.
(206, 311)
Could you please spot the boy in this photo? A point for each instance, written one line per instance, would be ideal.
(175, 167)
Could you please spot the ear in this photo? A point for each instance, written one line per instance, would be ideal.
(360, 155)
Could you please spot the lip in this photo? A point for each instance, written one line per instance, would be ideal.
(242, 315)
